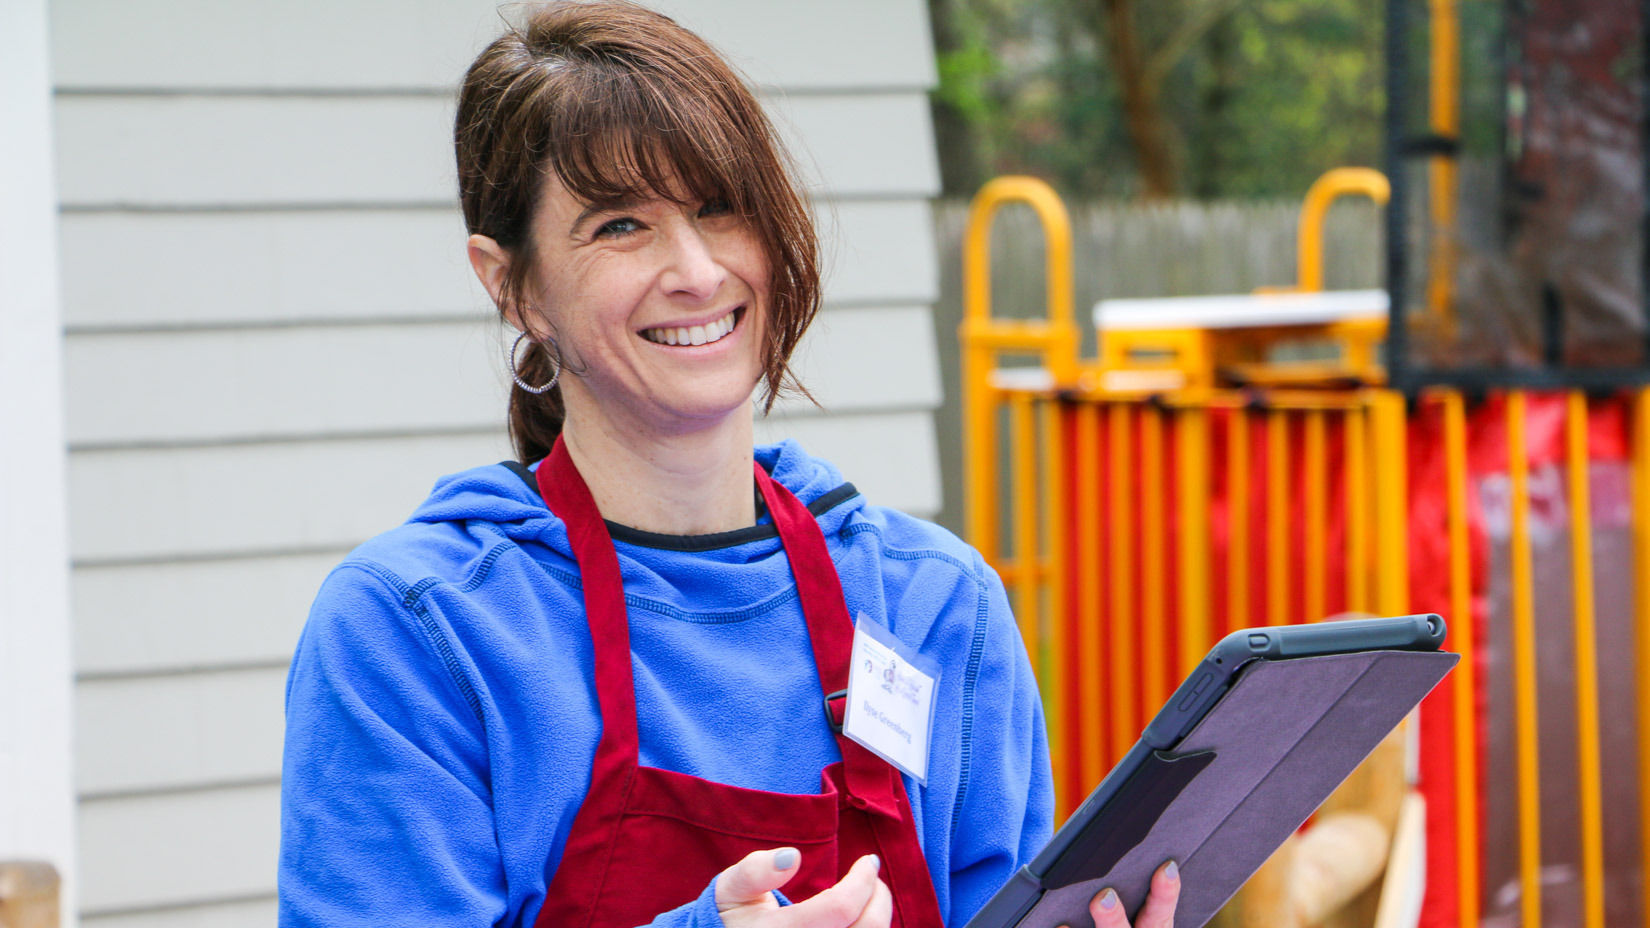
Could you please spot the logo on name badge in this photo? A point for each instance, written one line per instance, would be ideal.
(890, 698)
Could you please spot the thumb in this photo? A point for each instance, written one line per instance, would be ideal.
(750, 880)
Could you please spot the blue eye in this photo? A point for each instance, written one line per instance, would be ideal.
(614, 228)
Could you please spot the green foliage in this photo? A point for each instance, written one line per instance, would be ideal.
(1268, 96)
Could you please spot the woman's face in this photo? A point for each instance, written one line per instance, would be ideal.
(658, 308)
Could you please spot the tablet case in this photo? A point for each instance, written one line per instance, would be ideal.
(1240, 782)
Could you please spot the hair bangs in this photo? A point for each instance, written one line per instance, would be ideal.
(630, 135)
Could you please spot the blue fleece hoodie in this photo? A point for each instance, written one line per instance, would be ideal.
(441, 715)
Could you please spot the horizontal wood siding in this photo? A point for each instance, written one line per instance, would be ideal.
(274, 347)
(392, 45)
(202, 845)
(172, 152)
(222, 727)
(224, 612)
(256, 912)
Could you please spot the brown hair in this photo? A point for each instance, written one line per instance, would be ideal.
(620, 101)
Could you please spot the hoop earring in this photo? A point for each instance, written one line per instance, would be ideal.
(555, 359)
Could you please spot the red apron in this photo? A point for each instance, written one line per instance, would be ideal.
(647, 840)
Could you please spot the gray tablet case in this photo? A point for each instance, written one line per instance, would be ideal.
(1233, 789)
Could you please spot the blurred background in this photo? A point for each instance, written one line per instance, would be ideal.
(1182, 135)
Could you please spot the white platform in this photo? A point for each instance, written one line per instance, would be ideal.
(1243, 310)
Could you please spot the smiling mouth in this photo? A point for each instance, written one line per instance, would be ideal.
(697, 334)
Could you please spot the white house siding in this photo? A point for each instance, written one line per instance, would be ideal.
(274, 345)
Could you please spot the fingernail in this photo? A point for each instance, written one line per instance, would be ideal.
(1172, 871)
(876, 864)
(1109, 900)
(785, 858)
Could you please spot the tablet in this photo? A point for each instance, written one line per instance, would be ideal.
(1250, 744)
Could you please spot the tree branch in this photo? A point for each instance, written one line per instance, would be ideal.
(1167, 55)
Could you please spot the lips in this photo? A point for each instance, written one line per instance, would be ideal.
(693, 335)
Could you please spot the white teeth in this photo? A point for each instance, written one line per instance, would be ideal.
(694, 335)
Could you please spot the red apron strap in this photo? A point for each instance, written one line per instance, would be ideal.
(567, 495)
(871, 781)
(613, 770)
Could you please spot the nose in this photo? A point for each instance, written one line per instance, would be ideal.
(692, 269)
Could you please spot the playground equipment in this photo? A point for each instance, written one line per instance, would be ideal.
(1141, 503)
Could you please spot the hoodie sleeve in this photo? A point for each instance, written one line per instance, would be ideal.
(386, 814)
(1006, 808)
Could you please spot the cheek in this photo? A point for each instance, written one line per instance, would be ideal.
(753, 268)
(582, 303)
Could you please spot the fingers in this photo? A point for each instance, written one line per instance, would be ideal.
(845, 904)
(879, 912)
(753, 879)
(1158, 912)
(1107, 910)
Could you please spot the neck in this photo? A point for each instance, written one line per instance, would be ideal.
(694, 482)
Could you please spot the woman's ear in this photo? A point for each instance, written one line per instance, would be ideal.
(492, 266)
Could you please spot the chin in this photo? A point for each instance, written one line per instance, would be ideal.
(709, 408)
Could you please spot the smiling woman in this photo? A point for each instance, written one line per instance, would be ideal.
(595, 110)
(603, 684)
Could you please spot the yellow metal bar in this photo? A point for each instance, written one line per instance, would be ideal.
(1059, 657)
(1444, 105)
(1125, 662)
(1462, 640)
(1153, 614)
(1357, 512)
(1277, 517)
(1324, 191)
(1192, 472)
(1524, 704)
(1316, 468)
(1391, 502)
(1027, 594)
(1641, 616)
(1586, 643)
(980, 404)
(1055, 339)
(1237, 501)
(1091, 724)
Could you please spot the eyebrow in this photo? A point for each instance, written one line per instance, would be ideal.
(602, 206)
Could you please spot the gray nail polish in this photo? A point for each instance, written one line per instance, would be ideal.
(876, 864)
(1172, 871)
(1109, 900)
(786, 858)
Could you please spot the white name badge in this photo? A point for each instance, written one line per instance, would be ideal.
(890, 698)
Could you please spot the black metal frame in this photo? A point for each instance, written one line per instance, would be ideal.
(1400, 145)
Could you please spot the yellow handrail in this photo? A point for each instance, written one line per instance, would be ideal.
(983, 337)
(1323, 193)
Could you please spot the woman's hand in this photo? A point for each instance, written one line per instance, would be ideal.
(744, 895)
(1158, 912)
